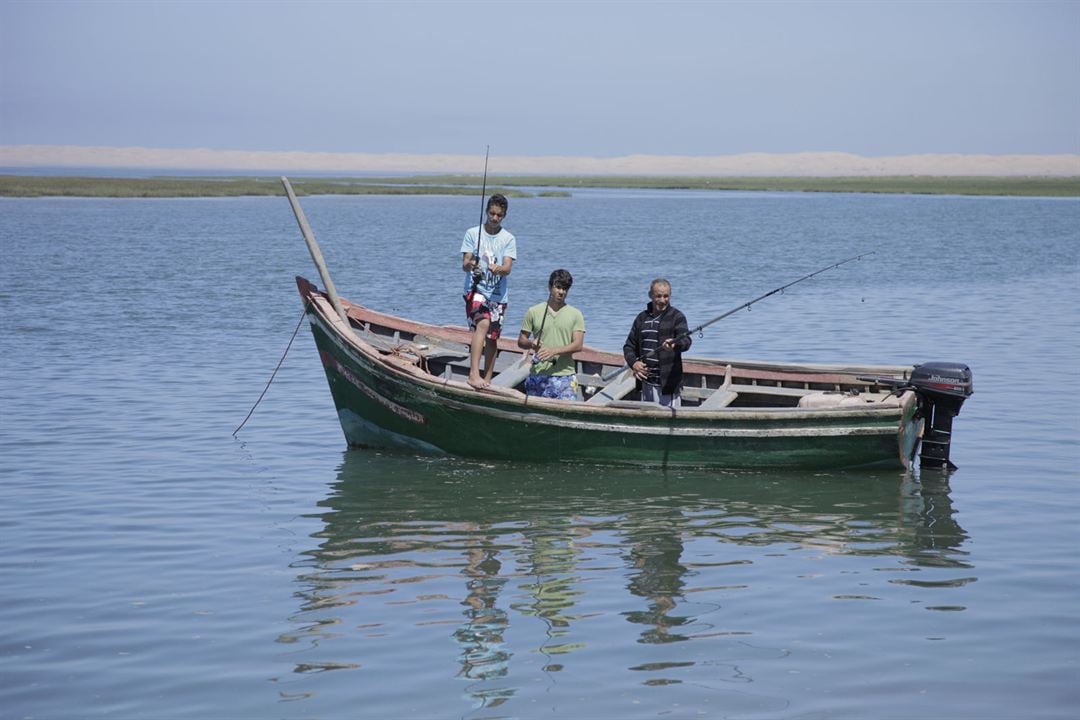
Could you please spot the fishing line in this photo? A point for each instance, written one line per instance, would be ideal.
(280, 362)
(480, 229)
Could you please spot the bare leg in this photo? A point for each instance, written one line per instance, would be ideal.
(476, 347)
(489, 360)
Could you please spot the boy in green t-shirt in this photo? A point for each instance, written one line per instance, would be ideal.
(558, 331)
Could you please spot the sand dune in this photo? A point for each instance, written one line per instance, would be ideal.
(821, 164)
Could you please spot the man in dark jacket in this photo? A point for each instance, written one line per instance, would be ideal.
(654, 347)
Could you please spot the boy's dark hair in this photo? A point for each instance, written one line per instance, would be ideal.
(561, 278)
(500, 200)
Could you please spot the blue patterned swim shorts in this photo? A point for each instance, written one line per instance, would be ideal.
(556, 387)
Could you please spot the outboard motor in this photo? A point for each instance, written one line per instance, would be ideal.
(942, 388)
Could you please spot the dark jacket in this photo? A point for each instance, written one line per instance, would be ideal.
(672, 324)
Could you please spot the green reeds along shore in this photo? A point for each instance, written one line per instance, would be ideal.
(161, 187)
(55, 186)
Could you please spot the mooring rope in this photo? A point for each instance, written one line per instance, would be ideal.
(307, 303)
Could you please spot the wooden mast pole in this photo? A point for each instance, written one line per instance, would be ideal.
(316, 253)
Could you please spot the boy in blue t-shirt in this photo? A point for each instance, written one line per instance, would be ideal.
(487, 254)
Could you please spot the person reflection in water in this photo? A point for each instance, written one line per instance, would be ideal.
(483, 653)
(656, 548)
(552, 559)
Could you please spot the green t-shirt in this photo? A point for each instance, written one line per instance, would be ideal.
(559, 329)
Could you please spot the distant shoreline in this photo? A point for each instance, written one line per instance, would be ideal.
(553, 186)
(744, 165)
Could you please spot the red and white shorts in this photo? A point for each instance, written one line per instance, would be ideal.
(478, 308)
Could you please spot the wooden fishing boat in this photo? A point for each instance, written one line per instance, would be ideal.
(397, 383)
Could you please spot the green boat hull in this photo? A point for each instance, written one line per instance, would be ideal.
(381, 406)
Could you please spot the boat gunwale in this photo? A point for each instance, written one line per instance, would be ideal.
(756, 369)
(494, 397)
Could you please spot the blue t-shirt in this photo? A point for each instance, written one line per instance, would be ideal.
(494, 249)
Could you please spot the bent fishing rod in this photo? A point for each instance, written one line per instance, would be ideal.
(540, 333)
(745, 305)
(480, 230)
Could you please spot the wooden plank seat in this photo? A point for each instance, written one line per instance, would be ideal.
(437, 348)
(419, 345)
(516, 373)
(615, 390)
(719, 398)
(772, 390)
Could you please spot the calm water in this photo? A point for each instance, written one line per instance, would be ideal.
(154, 566)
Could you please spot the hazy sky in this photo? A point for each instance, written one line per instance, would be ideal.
(544, 78)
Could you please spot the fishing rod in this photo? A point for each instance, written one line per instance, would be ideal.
(480, 230)
(780, 289)
(745, 305)
(534, 358)
(540, 333)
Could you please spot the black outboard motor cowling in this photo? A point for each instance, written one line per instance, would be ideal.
(942, 388)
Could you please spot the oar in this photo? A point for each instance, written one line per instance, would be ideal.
(718, 318)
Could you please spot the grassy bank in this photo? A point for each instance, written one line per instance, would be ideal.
(52, 186)
(914, 184)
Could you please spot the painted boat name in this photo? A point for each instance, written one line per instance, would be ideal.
(390, 405)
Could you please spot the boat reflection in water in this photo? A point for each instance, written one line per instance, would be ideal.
(489, 574)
